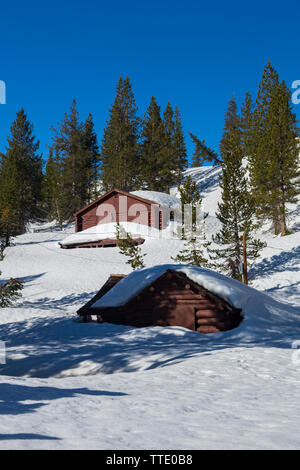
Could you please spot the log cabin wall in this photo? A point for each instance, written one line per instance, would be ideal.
(173, 300)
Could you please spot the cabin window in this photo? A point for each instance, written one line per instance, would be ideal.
(172, 216)
(149, 219)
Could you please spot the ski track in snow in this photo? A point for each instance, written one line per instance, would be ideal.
(67, 385)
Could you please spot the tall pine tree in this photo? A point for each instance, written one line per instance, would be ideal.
(74, 145)
(203, 153)
(120, 144)
(236, 210)
(21, 176)
(274, 160)
(180, 151)
(154, 157)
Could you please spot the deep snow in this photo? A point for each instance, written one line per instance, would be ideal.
(99, 386)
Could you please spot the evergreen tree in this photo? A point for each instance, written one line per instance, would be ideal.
(236, 211)
(129, 248)
(247, 124)
(193, 226)
(53, 189)
(274, 161)
(20, 176)
(179, 146)
(199, 154)
(90, 146)
(68, 145)
(190, 201)
(154, 152)
(120, 143)
(10, 290)
(203, 153)
(8, 226)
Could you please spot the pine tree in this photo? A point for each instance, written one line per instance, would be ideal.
(10, 290)
(199, 154)
(120, 144)
(90, 146)
(68, 146)
(21, 176)
(280, 145)
(193, 226)
(190, 202)
(274, 161)
(247, 125)
(129, 248)
(154, 152)
(55, 202)
(203, 153)
(8, 226)
(179, 146)
(236, 211)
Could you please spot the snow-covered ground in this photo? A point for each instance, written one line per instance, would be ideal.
(68, 385)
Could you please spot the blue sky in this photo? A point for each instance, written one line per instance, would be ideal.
(194, 54)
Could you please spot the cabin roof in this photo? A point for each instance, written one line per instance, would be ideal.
(109, 193)
(233, 292)
(109, 284)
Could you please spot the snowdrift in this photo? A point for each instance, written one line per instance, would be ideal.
(108, 231)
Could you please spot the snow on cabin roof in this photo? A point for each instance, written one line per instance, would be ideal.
(254, 304)
(109, 231)
(138, 280)
(163, 199)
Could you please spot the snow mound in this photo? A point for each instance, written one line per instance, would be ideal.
(108, 231)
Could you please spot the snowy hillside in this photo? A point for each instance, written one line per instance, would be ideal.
(101, 386)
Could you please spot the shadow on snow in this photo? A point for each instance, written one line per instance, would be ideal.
(60, 347)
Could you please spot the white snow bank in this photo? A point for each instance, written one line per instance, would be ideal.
(253, 303)
(107, 231)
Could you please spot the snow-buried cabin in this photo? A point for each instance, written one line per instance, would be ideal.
(167, 295)
(95, 224)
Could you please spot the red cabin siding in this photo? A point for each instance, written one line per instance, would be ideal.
(116, 206)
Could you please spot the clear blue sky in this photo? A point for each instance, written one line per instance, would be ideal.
(194, 54)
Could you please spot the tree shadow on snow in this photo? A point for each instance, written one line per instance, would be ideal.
(13, 397)
(285, 261)
(24, 436)
(60, 347)
(46, 303)
(206, 182)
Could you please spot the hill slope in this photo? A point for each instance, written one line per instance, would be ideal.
(72, 385)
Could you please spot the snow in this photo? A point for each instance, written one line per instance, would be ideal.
(68, 385)
(108, 231)
(252, 302)
(163, 199)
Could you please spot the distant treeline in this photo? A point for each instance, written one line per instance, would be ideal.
(259, 146)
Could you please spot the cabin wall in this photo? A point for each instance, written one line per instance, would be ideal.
(173, 301)
(116, 208)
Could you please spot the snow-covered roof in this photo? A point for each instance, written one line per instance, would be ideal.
(108, 231)
(163, 199)
(253, 303)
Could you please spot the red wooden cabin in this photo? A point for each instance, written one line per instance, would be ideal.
(120, 206)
